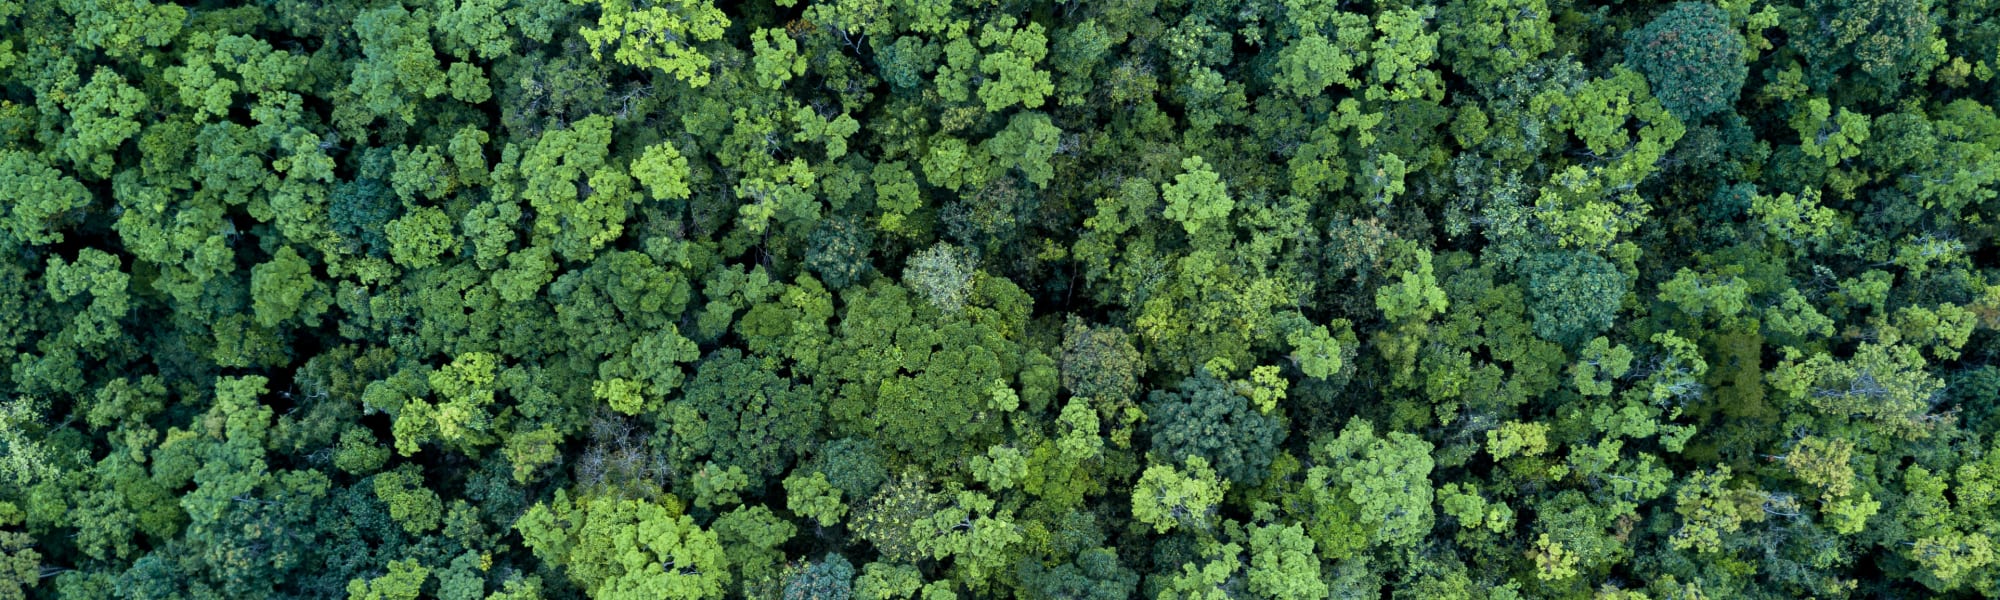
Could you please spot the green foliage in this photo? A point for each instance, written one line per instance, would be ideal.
(412, 505)
(880, 581)
(400, 62)
(1416, 296)
(1167, 497)
(39, 197)
(814, 498)
(892, 519)
(741, 415)
(1481, 299)
(1197, 196)
(579, 198)
(1692, 56)
(1883, 385)
(1386, 478)
(839, 252)
(1573, 295)
(1709, 510)
(20, 566)
(416, 239)
(1282, 564)
(1027, 144)
(663, 171)
(1489, 40)
(97, 275)
(1213, 579)
(942, 275)
(656, 36)
(777, 58)
(404, 581)
(1887, 41)
(1318, 353)
(1400, 56)
(1206, 417)
(1316, 61)
(968, 529)
(27, 461)
(285, 288)
(831, 578)
(750, 537)
(626, 547)
(1094, 574)
(1099, 362)
(1009, 65)
(1827, 135)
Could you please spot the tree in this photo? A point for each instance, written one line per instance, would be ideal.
(285, 288)
(1882, 385)
(1282, 564)
(1889, 41)
(943, 275)
(1095, 574)
(814, 497)
(830, 578)
(1167, 497)
(1709, 510)
(969, 529)
(623, 547)
(97, 274)
(417, 239)
(1318, 353)
(40, 197)
(1314, 62)
(1099, 362)
(751, 537)
(1197, 197)
(412, 505)
(27, 461)
(1693, 57)
(664, 171)
(1416, 296)
(1401, 56)
(839, 252)
(741, 415)
(512, 299)
(1490, 40)
(122, 30)
(777, 58)
(1722, 297)
(1573, 295)
(20, 564)
(658, 36)
(1598, 365)
(403, 582)
(1386, 478)
(854, 465)
(1009, 63)
(1827, 135)
(892, 520)
(1027, 144)
(1214, 579)
(880, 581)
(579, 198)
(401, 66)
(102, 119)
(1207, 417)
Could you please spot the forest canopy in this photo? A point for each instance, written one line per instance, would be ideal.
(930, 299)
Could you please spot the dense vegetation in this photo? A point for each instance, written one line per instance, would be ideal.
(1175, 299)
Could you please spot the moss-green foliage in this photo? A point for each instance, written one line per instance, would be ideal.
(1693, 56)
(1481, 299)
(1207, 417)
